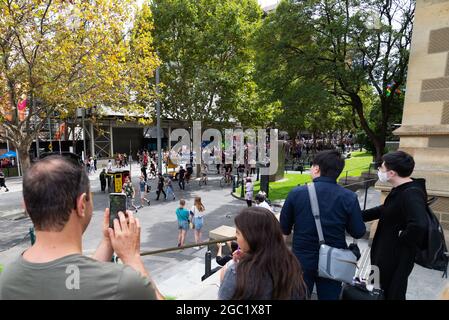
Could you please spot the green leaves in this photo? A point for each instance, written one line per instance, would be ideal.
(315, 57)
(71, 54)
(207, 61)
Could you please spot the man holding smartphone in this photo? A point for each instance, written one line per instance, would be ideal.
(58, 200)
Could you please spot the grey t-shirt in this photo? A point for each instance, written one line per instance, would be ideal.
(58, 279)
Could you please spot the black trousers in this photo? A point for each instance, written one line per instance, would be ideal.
(182, 184)
(144, 172)
(103, 185)
(394, 275)
(159, 191)
(249, 203)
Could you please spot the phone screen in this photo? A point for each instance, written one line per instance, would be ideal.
(117, 202)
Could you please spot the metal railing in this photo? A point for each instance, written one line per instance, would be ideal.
(207, 256)
(371, 165)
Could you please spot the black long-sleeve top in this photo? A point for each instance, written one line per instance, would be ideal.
(402, 224)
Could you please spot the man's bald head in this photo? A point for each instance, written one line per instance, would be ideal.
(50, 191)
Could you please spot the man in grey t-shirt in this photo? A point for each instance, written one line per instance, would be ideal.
(57, 198)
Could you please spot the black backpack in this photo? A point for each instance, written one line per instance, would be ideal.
(433, 254)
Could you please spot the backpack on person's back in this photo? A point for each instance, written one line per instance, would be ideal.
(433, 254)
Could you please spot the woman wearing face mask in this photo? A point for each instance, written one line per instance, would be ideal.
(402, 224)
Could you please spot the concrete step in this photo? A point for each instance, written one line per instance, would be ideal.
(205, 290)
(184, 278)
(166, 271)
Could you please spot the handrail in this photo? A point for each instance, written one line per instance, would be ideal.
(359, 182)
(186, 246)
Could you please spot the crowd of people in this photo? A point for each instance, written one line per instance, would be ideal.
(301, 146)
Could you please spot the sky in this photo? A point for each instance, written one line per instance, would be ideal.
(264, 3)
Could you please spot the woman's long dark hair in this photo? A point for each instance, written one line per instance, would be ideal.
(268, 258)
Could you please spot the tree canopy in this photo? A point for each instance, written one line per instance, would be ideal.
(208, 61)
(319, 54)
(63, 55)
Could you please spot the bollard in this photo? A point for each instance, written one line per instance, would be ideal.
(32, 236)
(207, 265)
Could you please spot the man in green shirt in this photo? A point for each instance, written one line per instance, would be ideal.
(57, 198)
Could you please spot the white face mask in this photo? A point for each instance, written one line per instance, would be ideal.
(383, 176)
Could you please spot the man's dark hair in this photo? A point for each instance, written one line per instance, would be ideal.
(50, 189)
(331, 163)
(260, 197)
(399, 161)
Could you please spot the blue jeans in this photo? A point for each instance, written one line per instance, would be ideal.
(170, 191)
(198, 222)
(326, 289)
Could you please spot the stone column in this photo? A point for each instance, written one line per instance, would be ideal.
(425, 124)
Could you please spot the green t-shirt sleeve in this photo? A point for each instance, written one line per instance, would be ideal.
(133, 286)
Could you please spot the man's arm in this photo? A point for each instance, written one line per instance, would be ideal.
(287, 217)
(415, 211)
(355, 226)
(373, 213)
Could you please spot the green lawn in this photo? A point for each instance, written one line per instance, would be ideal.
(354, 166)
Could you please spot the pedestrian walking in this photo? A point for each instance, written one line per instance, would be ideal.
(2, 181)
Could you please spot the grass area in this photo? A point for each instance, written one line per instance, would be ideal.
(169, 298)
(354, 166)
(1, 268)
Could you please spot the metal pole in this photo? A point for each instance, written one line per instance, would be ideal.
(129, 158)
(158, 123)
(92, 139)
(37, 145)
(111, 140)
(242, 191)
(59, 128)
(84, 134)
(49, 134)
(366, 195)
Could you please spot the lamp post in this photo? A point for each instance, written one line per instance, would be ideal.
(158, 123)
(242, 191)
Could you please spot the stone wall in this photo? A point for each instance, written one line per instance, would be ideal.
(425, 124)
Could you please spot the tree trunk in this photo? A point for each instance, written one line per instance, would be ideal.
(24, 156)
(377, 140)
(379, 144)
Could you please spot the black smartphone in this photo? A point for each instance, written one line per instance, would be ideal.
(117, 202)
